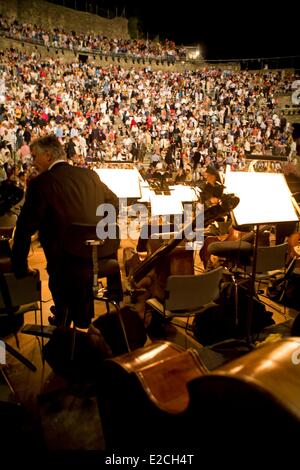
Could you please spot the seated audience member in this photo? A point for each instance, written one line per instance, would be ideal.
(180, 177)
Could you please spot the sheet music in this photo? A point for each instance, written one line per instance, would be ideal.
(165, 205)
(184, 193)
(125, 183)
(264, 197)
(146, 192)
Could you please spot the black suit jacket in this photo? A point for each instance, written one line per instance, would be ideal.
(55, 199)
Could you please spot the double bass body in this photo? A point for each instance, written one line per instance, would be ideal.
(162, 398)
(157, 257)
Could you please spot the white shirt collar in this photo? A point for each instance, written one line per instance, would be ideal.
(55, 162)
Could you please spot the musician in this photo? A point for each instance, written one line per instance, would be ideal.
(212, 188)
(211, 193)
(61, 195)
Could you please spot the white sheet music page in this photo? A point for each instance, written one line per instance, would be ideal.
(264, 197)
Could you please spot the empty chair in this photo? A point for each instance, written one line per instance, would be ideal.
(186, 295)
(17, 297)
(271, 260)
(236, 252)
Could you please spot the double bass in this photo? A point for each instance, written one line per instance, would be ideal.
(163, 397)
(227, 203)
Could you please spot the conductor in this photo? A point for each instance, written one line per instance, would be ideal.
(59, 196)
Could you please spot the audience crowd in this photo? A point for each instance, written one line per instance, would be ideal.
(91, 42)
(181, 121)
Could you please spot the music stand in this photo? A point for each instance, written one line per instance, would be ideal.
(184, 193)
(265, 198)
(165, 205)
(125, 183)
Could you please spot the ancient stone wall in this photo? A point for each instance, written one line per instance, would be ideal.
(67, 56)
(49, 16)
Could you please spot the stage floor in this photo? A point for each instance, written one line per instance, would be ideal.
(53, 414)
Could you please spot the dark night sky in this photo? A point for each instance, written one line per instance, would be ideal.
(246, 29)
(225, 30)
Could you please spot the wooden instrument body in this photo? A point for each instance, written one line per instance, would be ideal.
(163, 370)
(179, 261)
(164, 397)
(272, 369)
(169, 257)
(143, 396)
(227, 204)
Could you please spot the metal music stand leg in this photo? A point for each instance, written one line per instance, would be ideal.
(20, 357)
(10, 387)
(252, 291)
(94, 244)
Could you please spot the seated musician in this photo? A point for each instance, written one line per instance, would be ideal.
(211, 188)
